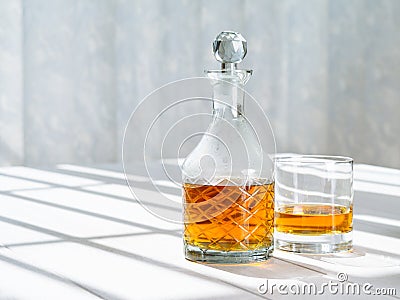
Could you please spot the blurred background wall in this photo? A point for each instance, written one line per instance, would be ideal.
(71, 71)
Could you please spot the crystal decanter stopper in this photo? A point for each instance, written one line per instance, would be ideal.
(227, 194)
(229, 48)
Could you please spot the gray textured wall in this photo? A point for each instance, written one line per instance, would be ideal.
(71, 71)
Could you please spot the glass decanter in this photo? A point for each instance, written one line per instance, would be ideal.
(228, 190)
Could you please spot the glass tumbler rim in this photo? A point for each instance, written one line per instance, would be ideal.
(313, 159)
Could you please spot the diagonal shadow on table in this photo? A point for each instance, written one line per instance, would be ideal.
(53, 276)
(93, 214)
(97, 237)
(156, 205)
(83, 188)
(116, 251)
(252, 271)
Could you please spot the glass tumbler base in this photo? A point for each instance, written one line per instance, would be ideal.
(314, 244)
(194, 253)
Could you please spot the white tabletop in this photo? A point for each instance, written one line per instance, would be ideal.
(74, 232)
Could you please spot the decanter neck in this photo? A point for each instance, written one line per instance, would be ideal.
(228, 100)
(228, 93)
